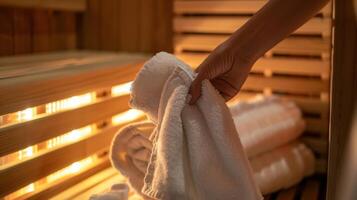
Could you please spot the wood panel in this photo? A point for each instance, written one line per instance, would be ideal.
(26, 30)
(297, 68)
(224, 24)
(226, 7)
(88, 184)
(51, 190)
(343, 98)
(69, 5)
(19, 136)
(134, 26)
(297, 46)
(53, 85)
(22, 31)
(6, 31)
(286, 84)
(17, 176)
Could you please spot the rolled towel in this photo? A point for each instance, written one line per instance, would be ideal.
(266, 123)
(274, 170)
(130, 152)
(282, 167)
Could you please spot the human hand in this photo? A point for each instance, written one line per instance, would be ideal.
(225, 69)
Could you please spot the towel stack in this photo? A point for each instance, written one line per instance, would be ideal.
(269, 128)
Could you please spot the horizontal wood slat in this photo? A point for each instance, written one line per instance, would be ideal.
(88, 184)
(311, 190)
(19, 175)
(209, 24)
(288, 194)
(293, 66)
(318, 145)
(50, 190)
(286, 84)
(316, 125)
(299, 46)
(46, 87)
(11, 71)
(19, 136)
(226, 7)
(68, 5)
(43, 57)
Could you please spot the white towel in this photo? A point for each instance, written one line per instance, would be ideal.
(273, 170)
(283, 167)
(196, 150)
(266, 123)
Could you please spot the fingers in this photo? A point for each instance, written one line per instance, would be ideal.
(195, 89)
(226, 90)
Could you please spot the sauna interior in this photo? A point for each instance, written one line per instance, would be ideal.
(66, 67)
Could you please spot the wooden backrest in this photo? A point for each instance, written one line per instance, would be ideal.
(58, 114)
(64, 5)
(297, 68)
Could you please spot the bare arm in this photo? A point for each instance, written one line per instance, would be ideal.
(227, 67)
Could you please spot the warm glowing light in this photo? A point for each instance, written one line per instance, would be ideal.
(122, 89)
(127, 116)
(71, 136)
(74, 168)
(70, 103)
(26, 114)
(26, 153)
(71, 169)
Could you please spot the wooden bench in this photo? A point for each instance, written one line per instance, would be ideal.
(58, 114)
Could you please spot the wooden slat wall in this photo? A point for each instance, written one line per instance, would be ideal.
(25, 30)
(47, 78)
(68, 5)
(132, 26)
(297, 68)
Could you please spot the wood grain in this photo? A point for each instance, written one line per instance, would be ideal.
(295, 46)
(19, 136)
(71, 5)
(22, 31)
(226, 7)
(224, 24)
(17, 176)
(343, 93)
(51, 190)
(6, 31)
(292, 66)
(53, 85)
(42, 30)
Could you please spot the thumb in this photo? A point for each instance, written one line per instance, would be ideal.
(195, 89)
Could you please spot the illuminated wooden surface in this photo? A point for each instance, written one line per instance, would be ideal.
(69, 81)
(20, 135)
(225, 7)
(67, 94)
(69, 5)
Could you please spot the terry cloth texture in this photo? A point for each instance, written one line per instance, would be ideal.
(196, 151)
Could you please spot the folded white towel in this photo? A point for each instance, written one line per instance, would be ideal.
(196, 150)
(273, 170)
(283, 167)
(266, 123)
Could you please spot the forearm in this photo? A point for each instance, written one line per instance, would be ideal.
(275, 21)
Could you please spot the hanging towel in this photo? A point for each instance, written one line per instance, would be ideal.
(265, 123)
(196, 152)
